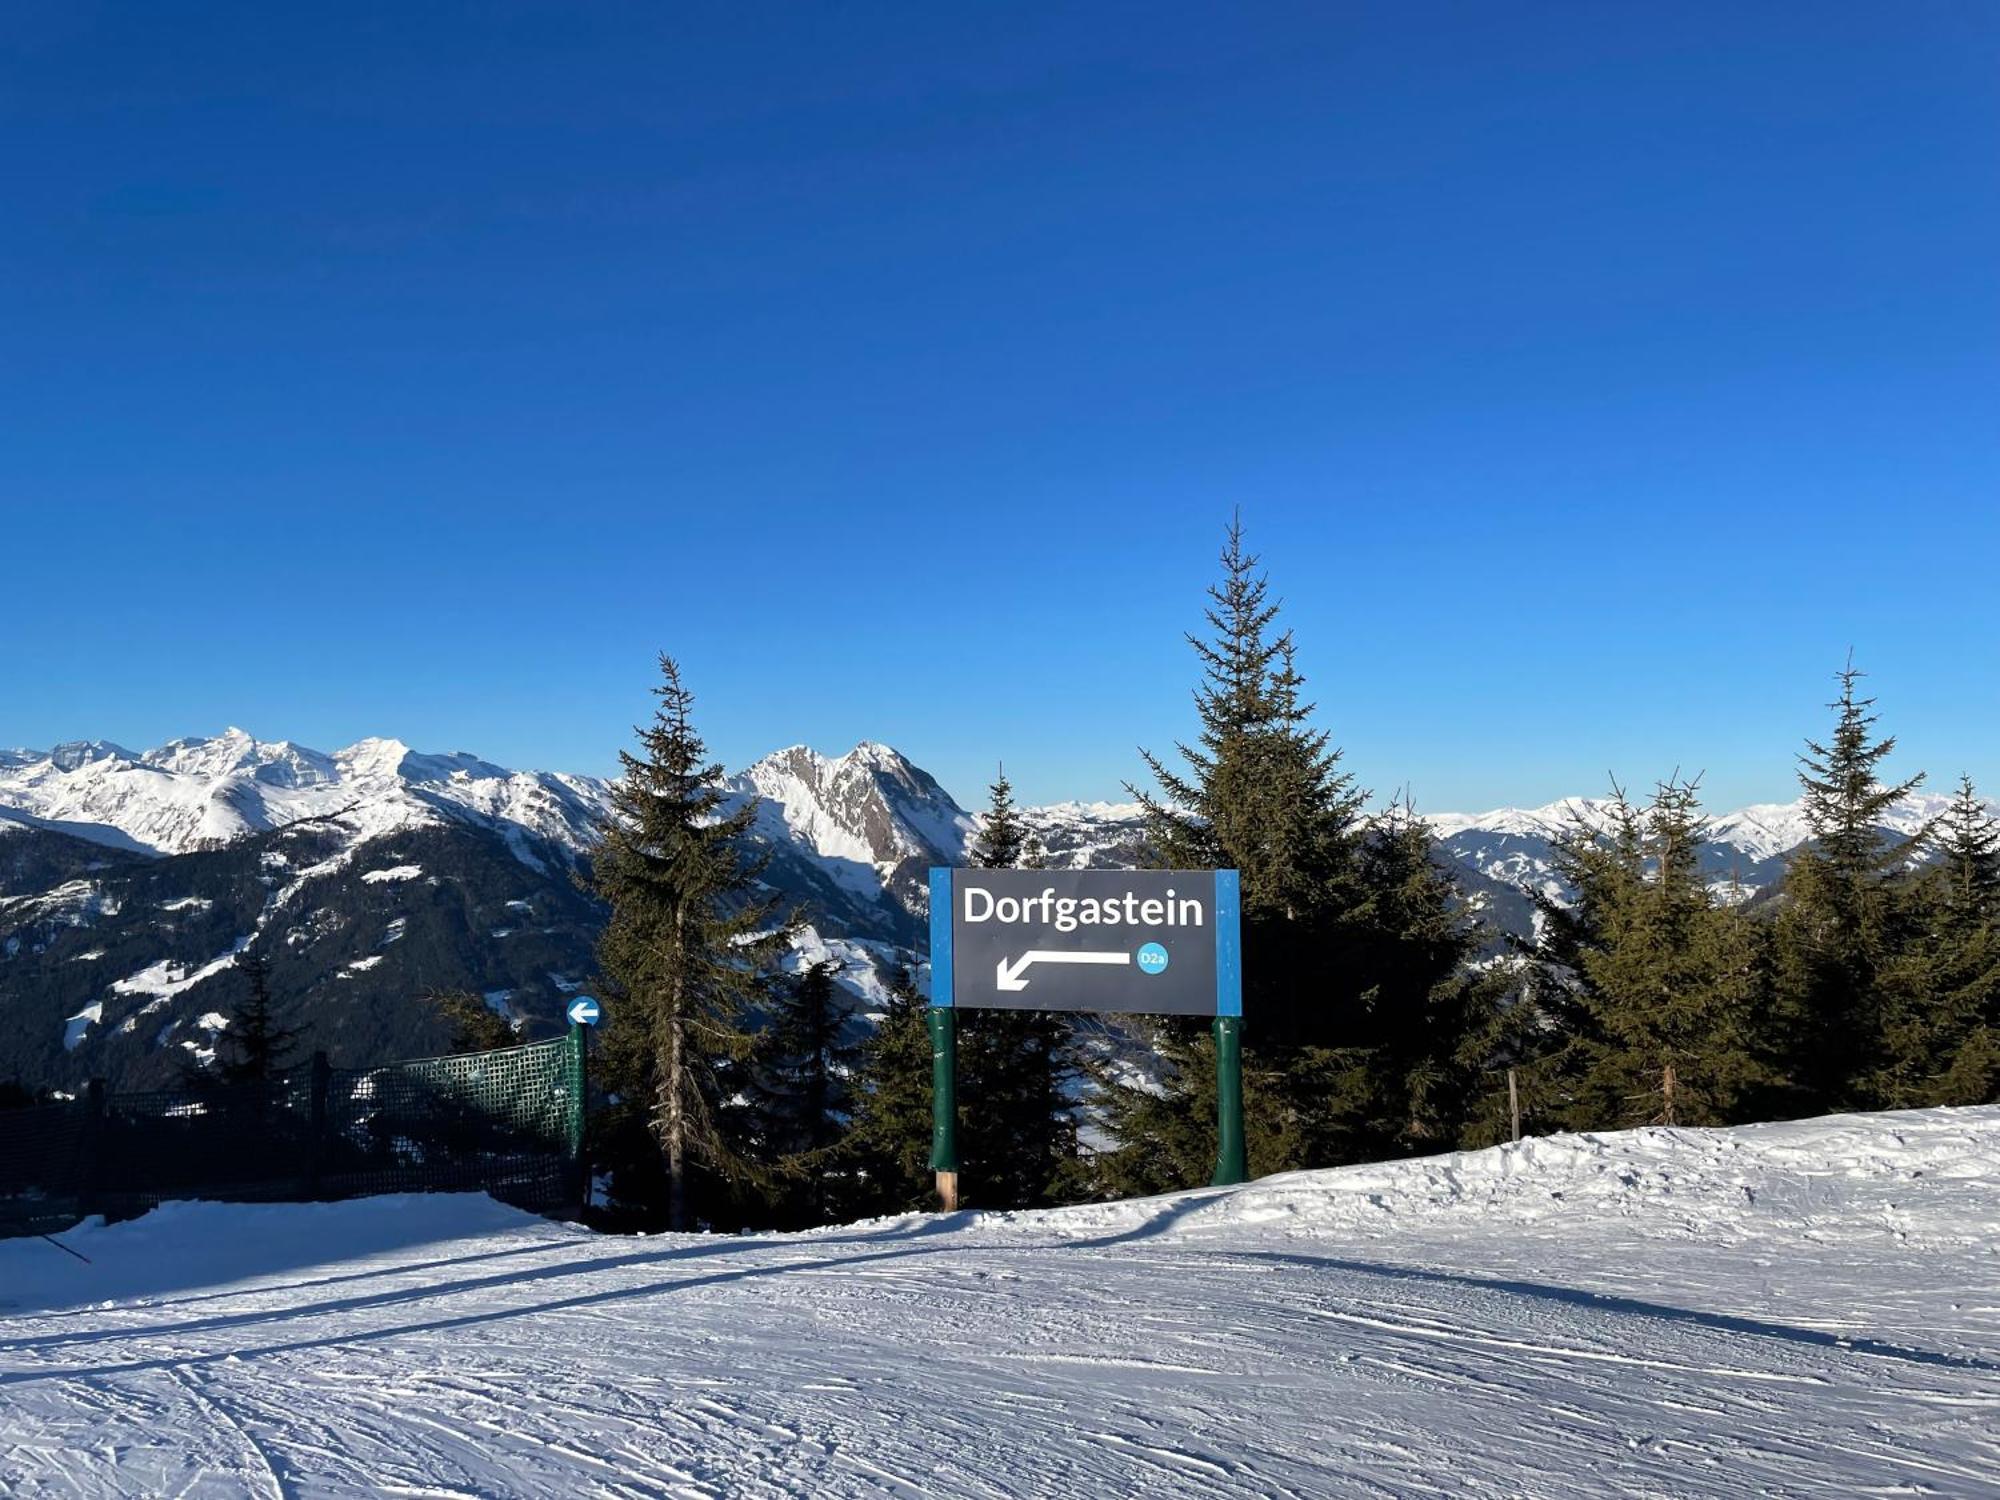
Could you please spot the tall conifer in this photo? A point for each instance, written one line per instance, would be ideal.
(1943, 998)
(1353, 934)
(891, 1139)
(688, 948)
(1845, 922)
(1660, 980)
(803, 1065)
(254, 1047)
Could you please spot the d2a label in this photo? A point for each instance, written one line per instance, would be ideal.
(1157, 942)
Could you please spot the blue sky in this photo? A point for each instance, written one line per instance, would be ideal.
(1590, 376)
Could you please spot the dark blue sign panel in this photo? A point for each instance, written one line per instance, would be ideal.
(1139, 942)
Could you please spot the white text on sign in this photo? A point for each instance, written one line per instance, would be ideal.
(1067, 913)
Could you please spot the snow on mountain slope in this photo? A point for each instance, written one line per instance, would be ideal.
(1799, 1309)
(199, 793)
(851, 835)
(1745, 850)
(865, 814)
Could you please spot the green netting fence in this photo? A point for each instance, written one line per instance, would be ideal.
(508, 1122)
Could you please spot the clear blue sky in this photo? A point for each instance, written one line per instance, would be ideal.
(1591, 377)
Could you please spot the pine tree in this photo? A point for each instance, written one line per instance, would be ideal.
(1015, 1066)
(803, 1064)
(686, 951)
(254, 1048)
(891, 1137)
(1845, 923)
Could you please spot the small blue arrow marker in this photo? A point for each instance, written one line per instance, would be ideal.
(584, 1011)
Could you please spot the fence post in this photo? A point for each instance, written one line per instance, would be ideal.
(90, 1187)
(322, 1085)
(579, 1114)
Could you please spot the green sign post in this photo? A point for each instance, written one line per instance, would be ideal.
(944, 1103)
(1132, 942)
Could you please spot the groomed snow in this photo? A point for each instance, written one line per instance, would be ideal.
(1797, 1309)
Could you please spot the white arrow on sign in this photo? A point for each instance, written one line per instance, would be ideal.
(1008, 975)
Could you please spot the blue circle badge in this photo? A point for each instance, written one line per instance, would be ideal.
(1152, 959)
(584, 1011)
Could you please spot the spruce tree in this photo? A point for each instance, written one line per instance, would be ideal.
(687, 950)
(1943, 997)
(1018, 1139)
(1967, 839)
(1656, 984)
(1410, 933)
(1846, 919)
(254, 1048)
(1261, 791)
(1679, 986)
(803, 1064)
(1264, 793)
(891, 1137)
(1559, 1035)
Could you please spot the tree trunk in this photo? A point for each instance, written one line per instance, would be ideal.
(1667, 1094)
(675, 1131)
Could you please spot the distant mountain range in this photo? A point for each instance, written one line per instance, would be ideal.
(129, 880)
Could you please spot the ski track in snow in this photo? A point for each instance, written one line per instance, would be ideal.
(1809, 1309)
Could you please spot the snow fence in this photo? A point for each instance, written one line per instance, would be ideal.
(508, 1122)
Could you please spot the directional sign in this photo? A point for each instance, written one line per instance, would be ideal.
(584, 1011)
(1155, 942)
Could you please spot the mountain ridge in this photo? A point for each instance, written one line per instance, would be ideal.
(374, 873)
(195, 791)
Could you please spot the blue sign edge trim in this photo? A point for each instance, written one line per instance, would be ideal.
(941, 992)
(1228, 944)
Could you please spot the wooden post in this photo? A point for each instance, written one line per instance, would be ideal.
(1514, 1102)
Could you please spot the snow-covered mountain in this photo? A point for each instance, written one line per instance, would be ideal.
(861, 825)
(850, 834)
(1502, 852)
(130, 879)
(204, 793)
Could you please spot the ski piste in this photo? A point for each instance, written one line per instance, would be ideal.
(1775, 1309)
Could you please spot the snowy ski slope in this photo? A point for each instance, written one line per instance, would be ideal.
(1802, 1309)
